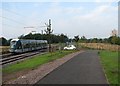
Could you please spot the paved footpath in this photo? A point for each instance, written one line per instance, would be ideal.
(85, 68)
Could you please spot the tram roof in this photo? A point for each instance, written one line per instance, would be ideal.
(28, 40)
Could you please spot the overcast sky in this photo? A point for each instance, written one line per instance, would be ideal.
(91, 19)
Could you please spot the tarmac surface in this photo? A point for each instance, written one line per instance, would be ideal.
(85, 68)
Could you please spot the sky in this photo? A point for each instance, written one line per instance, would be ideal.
(90, 19)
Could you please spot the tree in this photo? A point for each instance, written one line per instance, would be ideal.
(94, 40)
(76, 38)
(21, 36)
(83, 39)
(48, 32)
(114, 40)
(63, 38)
(3, 41)
(118, 41)
(9, 41)
(100, 40)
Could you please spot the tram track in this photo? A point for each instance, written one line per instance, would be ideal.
(6, 55)
(17, 58)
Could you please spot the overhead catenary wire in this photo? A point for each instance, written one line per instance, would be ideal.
(18, 14)
(12, 20)
(14, 13)
(4, 25)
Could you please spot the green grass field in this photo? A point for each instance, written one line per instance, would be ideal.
(34, 62)
(109, 61)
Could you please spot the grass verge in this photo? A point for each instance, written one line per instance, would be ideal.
(34, 62)
(109, 61)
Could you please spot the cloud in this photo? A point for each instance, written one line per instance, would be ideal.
(59, 0)
(71, 20)
(98, 23)
(101, 11)
(98, 1)
(37, 4)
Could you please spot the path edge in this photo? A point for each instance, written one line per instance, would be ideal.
(44, 70)
(103, 69)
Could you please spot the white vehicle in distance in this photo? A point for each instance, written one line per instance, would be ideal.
(70, 47)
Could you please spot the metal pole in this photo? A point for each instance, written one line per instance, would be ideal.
(49, 35)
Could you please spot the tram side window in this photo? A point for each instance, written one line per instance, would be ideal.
(32, 45)
(39, 44)
(27, 45)
(18, 45)
(44, 44)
